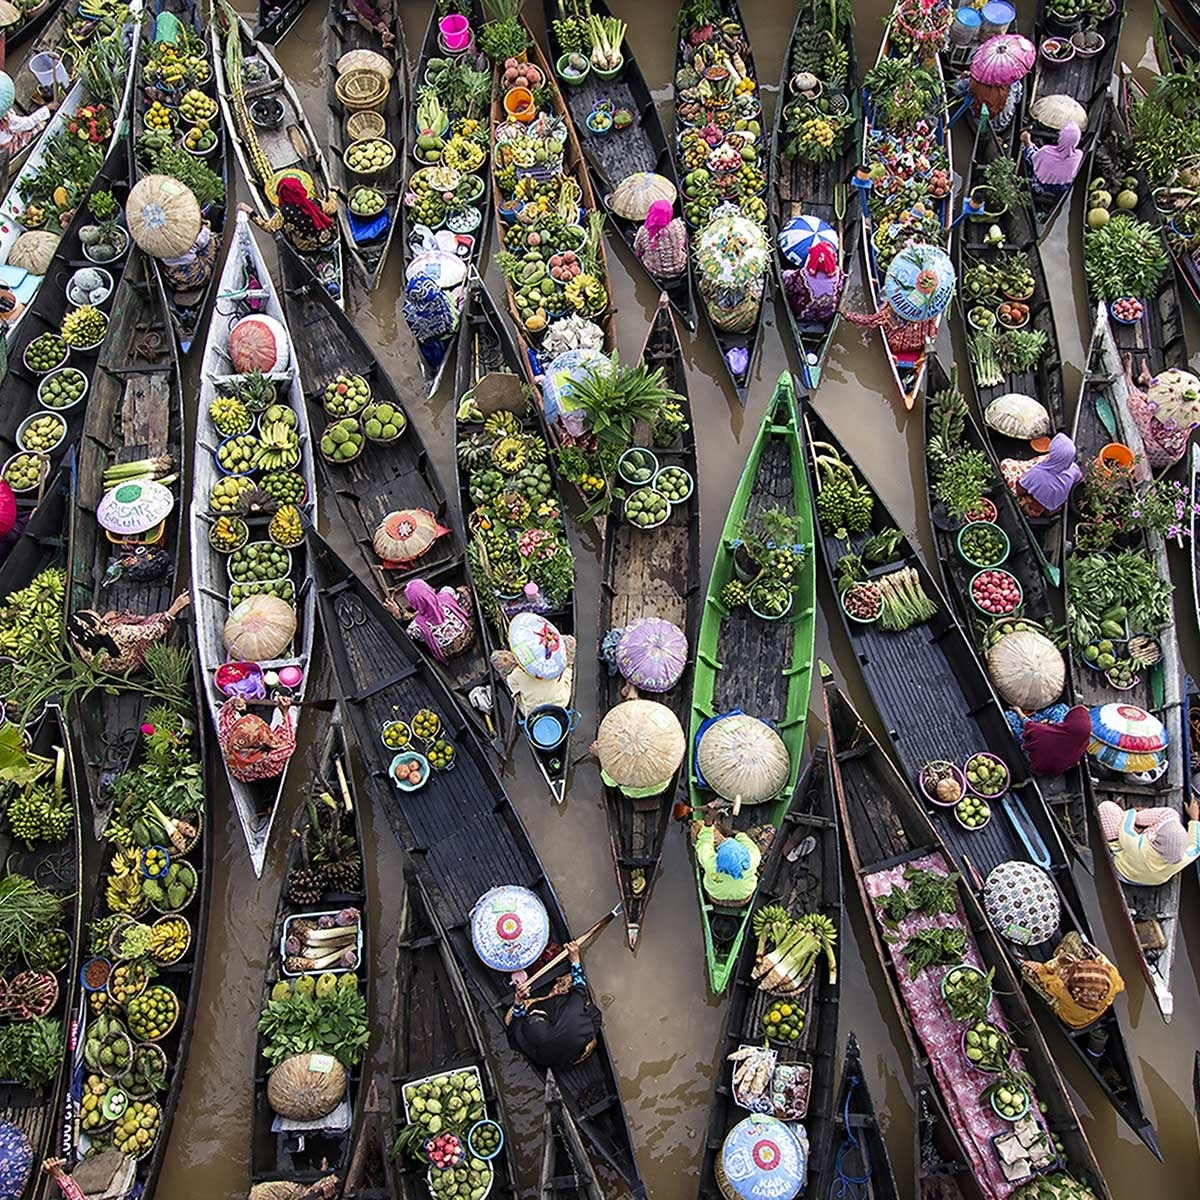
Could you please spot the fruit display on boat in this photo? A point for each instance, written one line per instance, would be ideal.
(42, 433)
(342, 440)
(286, 528)
(62, 388)
(346, 395)
(259, 561)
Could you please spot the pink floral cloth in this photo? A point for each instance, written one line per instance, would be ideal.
(959, 1084)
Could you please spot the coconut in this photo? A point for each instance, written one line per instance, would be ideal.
(1027, 669)
(306, 1087)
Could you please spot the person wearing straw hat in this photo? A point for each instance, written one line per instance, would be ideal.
(17, 131)
(728, 864)
(557, 1030)
(307, 224)
(1077, 981)
(191, 270)
(1150, 845)
(1052, 169)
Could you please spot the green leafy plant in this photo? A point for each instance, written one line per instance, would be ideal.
(1003, 180)
(901, 93)
(963, 482)
(1124, 257)
(26, 910)
(302, 1023)
(933, 948)
(1098, 582)
(503, 36)
(31, 1052)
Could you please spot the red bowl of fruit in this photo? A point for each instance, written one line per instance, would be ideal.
(995, 592)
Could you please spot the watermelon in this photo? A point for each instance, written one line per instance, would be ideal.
(259, 343)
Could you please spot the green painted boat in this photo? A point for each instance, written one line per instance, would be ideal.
(744, 662)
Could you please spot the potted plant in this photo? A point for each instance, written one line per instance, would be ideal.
(757, 536)
(1087, 43)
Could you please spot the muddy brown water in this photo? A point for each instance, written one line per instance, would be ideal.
(662, 1025)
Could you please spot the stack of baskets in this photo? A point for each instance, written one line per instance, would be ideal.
(365, 124)
(363, 89)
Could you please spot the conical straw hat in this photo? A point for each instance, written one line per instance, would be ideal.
(163, 216)
(742, 758)
(640, 743)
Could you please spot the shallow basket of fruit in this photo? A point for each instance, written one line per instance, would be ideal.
(346, 395)
(369, 157)
(966, 987)
(128, 979)
(383, 422)
(84, 328)
(972, 813)
(1013, 314)
(647, 508)
(25, 472)
(426, 725)
(862, 602)
(259, 562)
(288, 487)
(986, 1047)
(41, 432)
(982, 544)
(1126, 310)
(395, 735)
(485, 1139)
(199, 141)
(137, 1128)
(466, 1085)
(153, 1014)
(49, 951)
(986, 775)
(342, 441)
(170, 939)
(942, 783)
(235, 455)
(285, 528)
(770, 600)
(783, 1022)
(675, 483)
(472, 1178)
(148, 1074)
(995, 592)
(637, 465)
(155, 861)
(366, 202)
(62, 389)
(409, 771)
(281, 589)
(115, 1054)
(45, 353)
(1009, 1101)
(175, 890)
(1123, 675)
(445, 1150)
(227, 534)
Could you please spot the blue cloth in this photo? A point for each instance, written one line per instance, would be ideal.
(428, 310)
(733, 859)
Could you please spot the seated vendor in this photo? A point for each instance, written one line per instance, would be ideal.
(1077, 982)
(1150, 845)
(556, 1030)
(729, 865)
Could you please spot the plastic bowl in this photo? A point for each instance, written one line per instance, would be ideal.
(1020, 1116)
(43, 472)
(645, 452)
(973, 828)
(987, 612)
(403, 728)
(961, 967)
(40, 415)
(486, 1123)
(407, 756)
(691, 487)
(662, 521)
(66, 353)
(62, 371)
(971, 525)
(988, 795)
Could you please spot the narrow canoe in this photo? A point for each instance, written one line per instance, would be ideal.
(30, 25)
(616, 154)
(763, 668)
(364, 247)
(275, 18)
(886, 830)
(386, 477)
(908, 367)
(861, 1152)
(1041, 604)
(1086, 80)
(330, 823)
(817, 189)
(1153, 912)
(937, 703)
(246, 286)
(567, 1173)
(188, 306)
(134, 412)
(740, 345)
(803, 875)
(266, 150)
(485, 346)
(460, 830)
(651, 574)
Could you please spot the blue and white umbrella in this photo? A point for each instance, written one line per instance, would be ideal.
(801, 234)
(920, 282)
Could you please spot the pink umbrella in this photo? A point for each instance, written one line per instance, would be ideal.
(652, 653)
(1003, 60)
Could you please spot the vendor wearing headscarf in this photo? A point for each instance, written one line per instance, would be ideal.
(557, 1030)
(1052, 169)
(1165, 414)
(1077, 981)
(192, 269)
(1054, 739)
(661, 244)
(813, 291)
(439, 620)
(252, 749)
(17, 131)
(1150, 845)
(307, 225)
(431, 316)
(1042, 485)
(728, 865)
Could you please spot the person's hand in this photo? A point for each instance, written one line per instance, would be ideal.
(284, 702)
(1026, 138)
(594, 749)
(1192, 808)
(572, 949)
(244, 207)
(522, 991)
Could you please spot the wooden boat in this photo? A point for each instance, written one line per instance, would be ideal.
(325, 875)
(937, 703)
(371, 1174)
(1041, 603)
(803, 875)
(32, 23)
(575, 167)
(1044, 380)
(437, 1031)
(49, 529)
(436, 354)
(641, 146)
(387, 477)
(249, 83)
(364, 248)
(815, 189)
(275, 18)
(134, 413)
(188, 306)
(733, 345)
(246, 285)
(1102, 417)
(760, 667)
(861, 1152)
(1084, 79)
(655, 575)
(486, 348)
(36, 1106)
(459, 830)
(1196, 1090)
(885, 832)
(1158, 339)
(567, 1172)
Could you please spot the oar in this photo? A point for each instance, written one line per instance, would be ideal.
(1025, 829)
(582, 940)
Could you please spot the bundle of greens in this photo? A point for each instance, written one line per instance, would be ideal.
(933, 948)
(928, 891)
(31, 1051)
(796, 944)
(1099, 583)
(905, 603)
(27, 910)
(1124, 257)
(299, 1021)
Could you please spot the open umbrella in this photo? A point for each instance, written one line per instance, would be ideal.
(640, 743)
(742, 759)
(651, 654)
(801, 234)
(761, 1159)
(134, 507)
(1003, 59)
(1022, 903)
(731, 250)
(509, 928)
(537, 645)
(920, 282)
(163, 216)
(632, 197)
(1056, 111)
(1128, 727)
(1174, 399)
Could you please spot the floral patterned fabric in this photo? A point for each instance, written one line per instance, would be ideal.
(959, 1084)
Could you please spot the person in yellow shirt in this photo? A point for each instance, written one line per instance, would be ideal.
(1077, 982)
(1150, 845)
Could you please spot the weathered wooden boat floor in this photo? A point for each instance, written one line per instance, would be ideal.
(460, 830)
(809, 883)
(567, 1173)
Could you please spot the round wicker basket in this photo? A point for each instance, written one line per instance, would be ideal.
(363, 89)
(365, 124)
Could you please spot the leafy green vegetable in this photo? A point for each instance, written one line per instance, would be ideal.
(934, 948)
(31, 1051)
(1124, 257)
(335, 1023)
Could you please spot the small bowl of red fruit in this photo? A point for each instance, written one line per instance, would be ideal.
(409, 770)
(996, 592)
(444, 1151)
(1127, 310)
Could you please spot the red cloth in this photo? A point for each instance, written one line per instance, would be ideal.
(1055, 749)
(821, 260)
(293, 192)
(8, 507)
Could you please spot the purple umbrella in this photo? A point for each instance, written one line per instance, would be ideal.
(651, 654)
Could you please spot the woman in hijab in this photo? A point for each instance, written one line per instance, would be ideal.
(662, 242)
(1043, 484)
(1165, 409)
(430, 315)
(307, 225)
(1077, 981)
(729, 866)
(17, 131)
(813, 291)
(557, 1030)
(1054, 739)
(439, 620)
(1150, 845)
(192, 269)
(252, 749)
(1052, 169)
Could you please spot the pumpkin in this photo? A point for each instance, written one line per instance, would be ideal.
(306, 1087)
(33, 251)
(1017, 416)
(259, 629)
(259, 343)
(1027, 669)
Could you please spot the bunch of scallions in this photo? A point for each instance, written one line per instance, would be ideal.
(796, 944)
(607, 35)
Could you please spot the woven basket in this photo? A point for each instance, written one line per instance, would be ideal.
(297, 1090)
(365, 124)
(363, 89)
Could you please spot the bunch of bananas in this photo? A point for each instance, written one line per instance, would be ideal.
(285, 528)
(169, 940)
(230, 416)
(39, 814)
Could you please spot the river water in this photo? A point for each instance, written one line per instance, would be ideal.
(662, 1025)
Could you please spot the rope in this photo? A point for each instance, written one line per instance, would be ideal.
(843, 1186)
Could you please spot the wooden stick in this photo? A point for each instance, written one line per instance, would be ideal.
(581, 941)
(341, 774)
